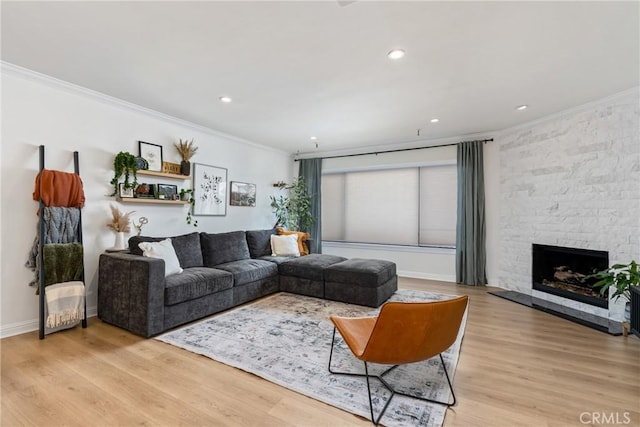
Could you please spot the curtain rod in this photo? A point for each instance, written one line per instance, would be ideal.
(395, 151)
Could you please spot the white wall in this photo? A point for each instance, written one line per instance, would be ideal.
(571, 180)
(39, 110)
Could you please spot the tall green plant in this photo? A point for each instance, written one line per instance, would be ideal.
(293, 211)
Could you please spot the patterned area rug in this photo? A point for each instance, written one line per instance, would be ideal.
(286, 339)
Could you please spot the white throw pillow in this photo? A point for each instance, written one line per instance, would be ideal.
(286, 245)
(163, 250)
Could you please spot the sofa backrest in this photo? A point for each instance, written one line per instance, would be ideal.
(220, 248)
(187, 247)
(259, 242)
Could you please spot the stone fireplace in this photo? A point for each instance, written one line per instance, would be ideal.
(570, 183)
(564, 272)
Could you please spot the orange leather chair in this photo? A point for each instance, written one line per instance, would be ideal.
(403, 332)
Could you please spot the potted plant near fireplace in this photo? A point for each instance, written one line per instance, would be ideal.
(622, 277)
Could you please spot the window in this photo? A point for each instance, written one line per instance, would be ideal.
(407, 206)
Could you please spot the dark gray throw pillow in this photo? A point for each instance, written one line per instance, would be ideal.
(134, 240)
(188, 250)
(259, 242)
(223, 247)
(187, 247)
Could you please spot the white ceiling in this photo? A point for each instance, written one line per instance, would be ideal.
(297, 69)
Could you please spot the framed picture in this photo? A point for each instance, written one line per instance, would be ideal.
(209, 190)
(167, 192)
(124, 193)
(152, 153)
(242, 194)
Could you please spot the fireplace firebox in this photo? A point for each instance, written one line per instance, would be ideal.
(563, 272)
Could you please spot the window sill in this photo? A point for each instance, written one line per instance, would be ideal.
(393, 248)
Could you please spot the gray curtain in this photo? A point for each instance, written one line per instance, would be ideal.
(470, 230)
(311, 171)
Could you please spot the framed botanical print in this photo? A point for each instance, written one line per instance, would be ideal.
(209, 190)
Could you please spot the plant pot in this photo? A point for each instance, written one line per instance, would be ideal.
(185, 197)
(185, 167)
(627, 311)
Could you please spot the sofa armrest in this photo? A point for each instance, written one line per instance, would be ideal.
(131, 292)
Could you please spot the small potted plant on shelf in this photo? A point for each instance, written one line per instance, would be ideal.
(186, 150)
(186, 194)
(621, 277)
(125, 164)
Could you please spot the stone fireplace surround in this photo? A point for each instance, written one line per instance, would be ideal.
(571, 180)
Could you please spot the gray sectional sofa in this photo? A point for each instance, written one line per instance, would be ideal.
(221, 271)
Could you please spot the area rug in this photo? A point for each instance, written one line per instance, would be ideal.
(286, 339)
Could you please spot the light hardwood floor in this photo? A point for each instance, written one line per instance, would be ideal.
(518, 367)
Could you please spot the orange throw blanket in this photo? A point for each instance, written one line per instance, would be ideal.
(59, 189)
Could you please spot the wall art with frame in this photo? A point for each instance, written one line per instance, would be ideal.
(210, 190)
(124, 193)
(152, 153)
(242, 194)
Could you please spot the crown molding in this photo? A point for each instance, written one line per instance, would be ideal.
(634, 91)
(27, 74)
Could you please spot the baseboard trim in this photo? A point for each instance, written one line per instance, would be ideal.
(26, 326)
(426, 276)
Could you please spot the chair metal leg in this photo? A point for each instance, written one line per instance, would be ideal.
(389, 386)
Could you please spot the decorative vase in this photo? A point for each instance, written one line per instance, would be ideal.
(185, 167)
(119, 244)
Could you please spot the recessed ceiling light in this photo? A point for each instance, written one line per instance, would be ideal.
(435, 120)
(313, 138)
(396, 54)
(522, 107)
(225, 99)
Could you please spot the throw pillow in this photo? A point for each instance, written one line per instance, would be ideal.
(220, 248)
(163, 250)
(284, 245)
(302, 238)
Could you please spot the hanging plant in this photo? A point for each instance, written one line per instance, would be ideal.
(187, 195)
(124, 164)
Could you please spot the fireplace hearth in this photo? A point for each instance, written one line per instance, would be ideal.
(563, 272)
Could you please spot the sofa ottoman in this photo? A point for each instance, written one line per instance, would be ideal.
(367, 282)
(305, 275)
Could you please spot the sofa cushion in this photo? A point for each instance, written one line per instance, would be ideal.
(187, 247)
(285, 246)
(164, 251)
(302, 239)
(221, 248)
(134, 241)
(194, 283)
(275, 259)
(309, 267)
(188, 250)
(249, 270)
(362, 272)
(259, 242)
